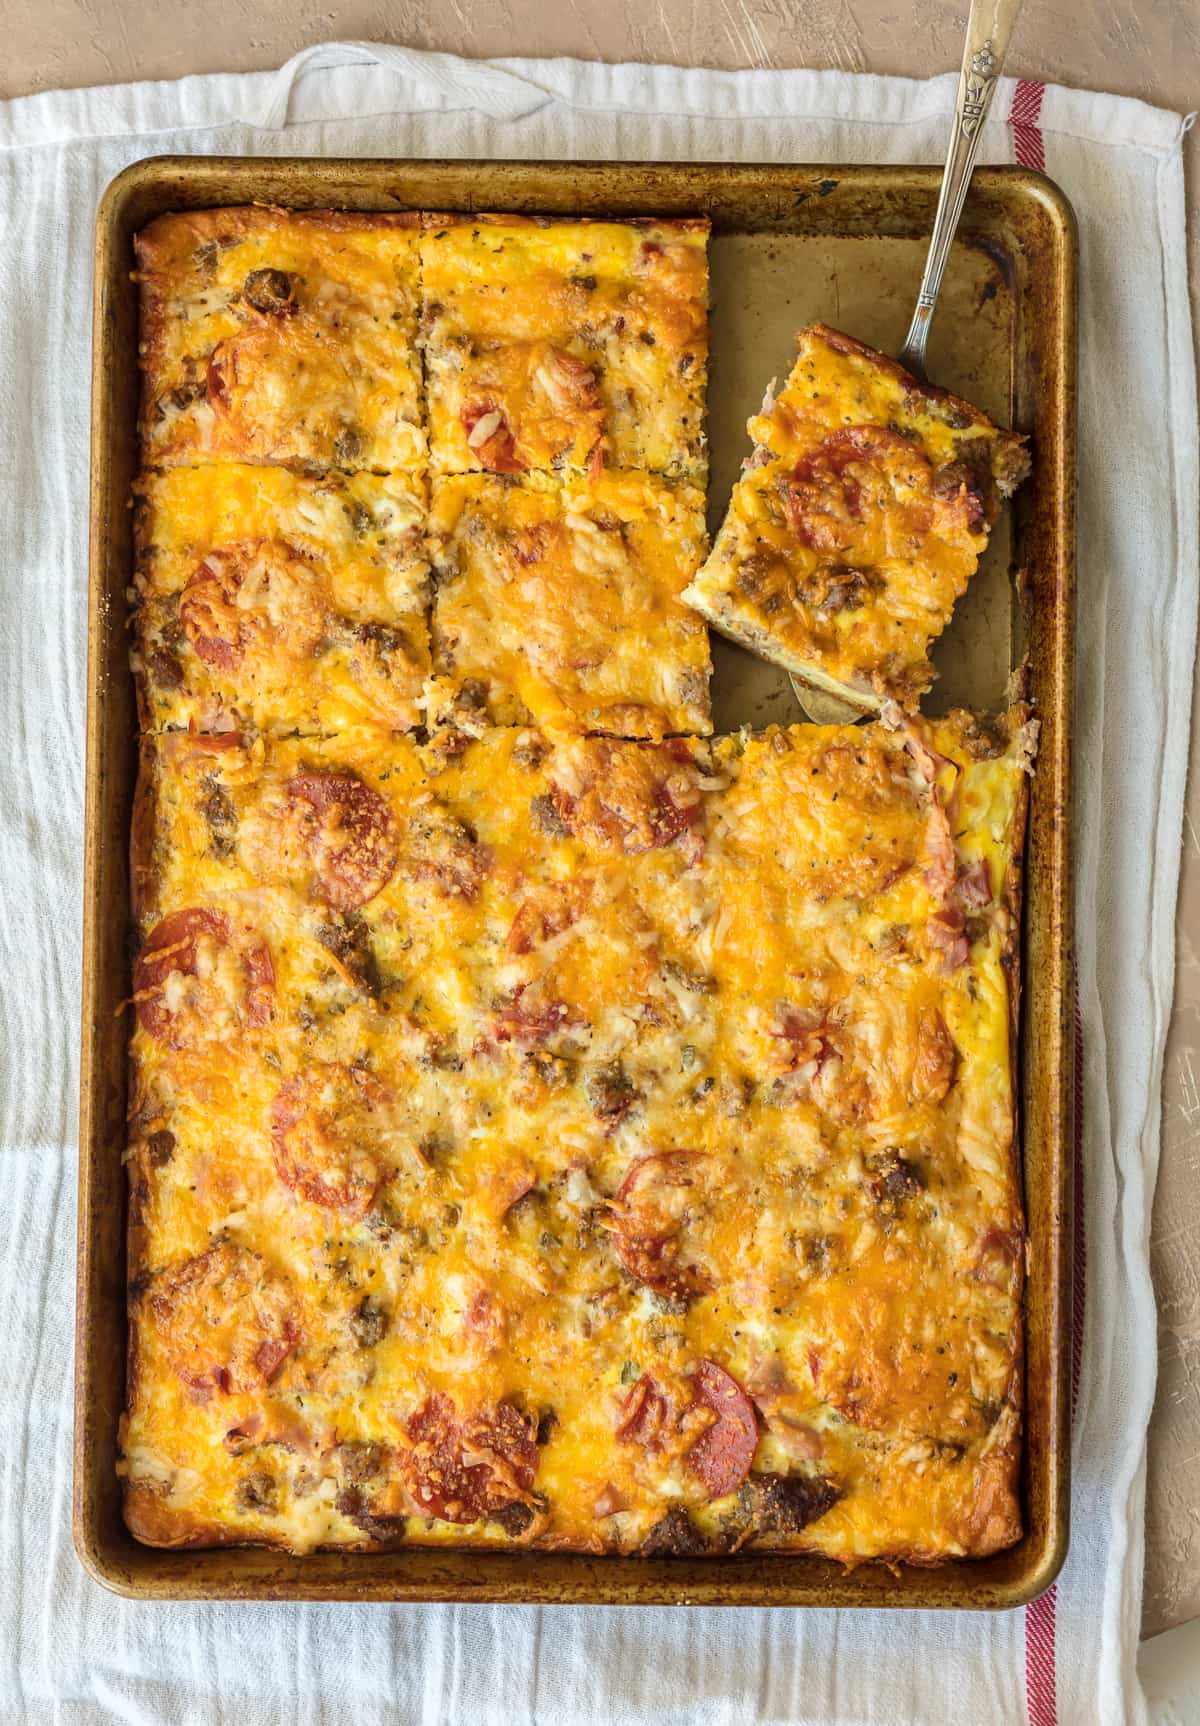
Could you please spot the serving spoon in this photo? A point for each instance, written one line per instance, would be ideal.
(989, 31)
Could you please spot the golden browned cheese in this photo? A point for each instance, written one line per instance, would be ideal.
(565, 343)
(276, 600)
(857, 523)
(558, 603)
(280, 336)
(539, 1136)
(578, 1143)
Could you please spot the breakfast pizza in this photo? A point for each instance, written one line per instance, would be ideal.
(579, 1143)
(280, 336)
(280, 600)
(557, 601)
(857, 523)
(551, 1127)
(560, 343)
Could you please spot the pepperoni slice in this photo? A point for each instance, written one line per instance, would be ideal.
(635, 797)
(208, 611)
(198, 944)
(656, 1206)
(491, 439)
(252, 599)
(531, 404)
(250, 380)
(461, 1471)
(327, 1124)
(350, 835)
(722, 1455)
(226, 1321)
(827, 494)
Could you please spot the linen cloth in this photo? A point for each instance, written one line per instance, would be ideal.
(71, 1653)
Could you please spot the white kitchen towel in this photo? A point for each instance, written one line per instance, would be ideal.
(70, 1652)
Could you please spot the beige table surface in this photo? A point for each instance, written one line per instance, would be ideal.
(1146, 48)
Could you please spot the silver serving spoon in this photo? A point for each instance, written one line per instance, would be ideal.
(989, 30)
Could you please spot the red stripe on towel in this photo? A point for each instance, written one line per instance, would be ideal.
(1041, 1694)
(1028, 144)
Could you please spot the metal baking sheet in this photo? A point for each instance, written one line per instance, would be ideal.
(790, 244)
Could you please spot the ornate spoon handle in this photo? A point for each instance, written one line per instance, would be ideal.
(989, 29)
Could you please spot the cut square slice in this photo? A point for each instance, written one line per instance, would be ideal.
(279, 601)
(559, 603)
(277, 335)
(552, 344)
(857, 523)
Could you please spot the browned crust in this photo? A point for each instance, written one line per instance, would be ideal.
(155, 1523)
(143, 830)
(140, 1503)
(141, 679)
(137, 1239)
(137, 622)
(438, 219)
(150, 1519)
(156, 241)
(158, 246)
(996, 1518)
(851, 347)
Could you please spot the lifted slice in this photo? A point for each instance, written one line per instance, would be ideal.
(857, 523)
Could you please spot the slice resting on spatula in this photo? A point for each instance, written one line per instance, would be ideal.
(858, 521)
(863, 511)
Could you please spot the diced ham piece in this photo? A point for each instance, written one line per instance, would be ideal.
(975, 885)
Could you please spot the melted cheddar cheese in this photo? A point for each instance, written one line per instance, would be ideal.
(578, 1143)
(558, 603)
(546, 1130)
(280, 336)
(552, 344)
(857, 523)
(279, 601)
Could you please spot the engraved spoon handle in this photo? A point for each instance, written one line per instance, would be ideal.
(989, 29)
